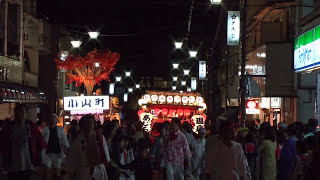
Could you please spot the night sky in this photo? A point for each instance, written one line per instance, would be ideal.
(149, 28)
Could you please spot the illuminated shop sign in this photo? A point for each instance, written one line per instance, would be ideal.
(307, 50)
(80, 103)
(233, 32)
(202, 70)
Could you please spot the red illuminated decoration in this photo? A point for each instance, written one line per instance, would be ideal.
(172, 112)
(156, 111)
(251, 104)
(187, 112)
(164, 111)
(140, 112)
(180, 112)
(84, 70)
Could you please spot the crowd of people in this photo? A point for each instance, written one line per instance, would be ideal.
(91, 150)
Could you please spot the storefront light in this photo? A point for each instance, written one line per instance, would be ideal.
(178, 45)
(93, 35)
(118, 78)
(175, 65)
(76, 44)
(193, 53)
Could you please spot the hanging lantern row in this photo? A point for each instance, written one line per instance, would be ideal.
(172, 112)
(162, 99)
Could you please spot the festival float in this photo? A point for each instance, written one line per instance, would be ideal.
(160, 106)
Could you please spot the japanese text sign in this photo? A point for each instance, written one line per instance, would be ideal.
(202, 70)
(233, 33)
(198, 121)
(146, 119)
(73, 103)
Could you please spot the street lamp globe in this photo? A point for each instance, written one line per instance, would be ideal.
(178, 45)
(76, 44)
(215, 1)
(93, 35)
(193, 53)
(128, 74)
(175, 65)
(118, 78)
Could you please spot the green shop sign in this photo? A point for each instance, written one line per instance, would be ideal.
(307, 50)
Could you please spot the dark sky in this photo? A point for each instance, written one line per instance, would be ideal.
(155, 24)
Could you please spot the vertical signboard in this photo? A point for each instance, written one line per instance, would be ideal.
(233, 32)
(202, 70)
(193, 83)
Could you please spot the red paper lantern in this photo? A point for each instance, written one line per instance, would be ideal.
(140, 112)
(180, 112)
(164, 111)
(172, 112)
(156, 111)
(187, 112)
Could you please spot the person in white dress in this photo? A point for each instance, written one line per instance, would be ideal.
(58, 143)
(226, 160)
(198, 150)
(89, 154)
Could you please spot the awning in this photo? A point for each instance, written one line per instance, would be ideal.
(16, 93)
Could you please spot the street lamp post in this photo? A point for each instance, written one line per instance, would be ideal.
(243, 84)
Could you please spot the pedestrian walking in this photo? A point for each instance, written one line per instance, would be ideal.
(21, 144)
(267, 153)
(57, 146)
(177, 151)
(88, 156)
(198, 150)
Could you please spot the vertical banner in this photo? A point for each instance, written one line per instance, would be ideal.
(193, 83)
(202, 70)
(233, 32)
(125, 97)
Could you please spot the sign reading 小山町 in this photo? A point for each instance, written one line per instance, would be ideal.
(307, 50)
(233, 32)
(78, 103)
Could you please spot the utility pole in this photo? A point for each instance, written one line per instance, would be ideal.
(243, 84)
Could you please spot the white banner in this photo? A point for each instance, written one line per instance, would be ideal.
(202, 70)
(193, 83)
(198, 121)
(146, 119)
(80, 103)
(233, 32)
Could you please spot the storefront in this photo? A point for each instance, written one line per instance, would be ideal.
(307, 65)
(271, 95)
(10, 94)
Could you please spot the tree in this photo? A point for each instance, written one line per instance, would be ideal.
(89, 70)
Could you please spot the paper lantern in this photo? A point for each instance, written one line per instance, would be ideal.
(192, 99)
(162, 98)
(172, 112)
(164, 111)
(180, 112)
(169, 99)
(177, 99)
(199, 100)
(156, 111)
(146, 97)
(154, 97)
(185, 99)
(186, 112)
(140, 112)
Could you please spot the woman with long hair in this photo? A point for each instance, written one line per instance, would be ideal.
(89, 154)
(267, 152)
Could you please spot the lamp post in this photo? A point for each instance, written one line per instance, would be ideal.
(243, 83)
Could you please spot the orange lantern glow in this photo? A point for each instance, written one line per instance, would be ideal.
(180, 112)
(140, 112)
(164, 111)
(187, 112)
(156, 111)
(172, 112)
